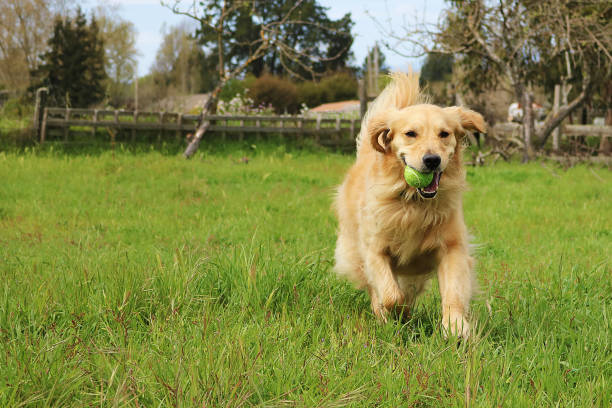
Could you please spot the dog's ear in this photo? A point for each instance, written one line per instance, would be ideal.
(468, 119)
(379, 131)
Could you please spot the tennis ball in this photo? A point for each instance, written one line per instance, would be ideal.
(417, 179)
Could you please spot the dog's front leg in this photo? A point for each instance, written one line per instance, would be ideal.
(455, 278)
(383, 288)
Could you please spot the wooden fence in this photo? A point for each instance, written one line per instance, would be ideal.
(574, 135)
(326, 131)
(515, 129)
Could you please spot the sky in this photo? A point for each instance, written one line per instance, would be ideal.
(150, 17)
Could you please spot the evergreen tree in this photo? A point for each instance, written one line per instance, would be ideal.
(73, 68)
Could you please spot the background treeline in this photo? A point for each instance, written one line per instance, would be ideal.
(89, 59)
(83, 60)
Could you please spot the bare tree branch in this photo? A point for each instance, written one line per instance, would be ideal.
(270, 37)
(552, 121)
(515, 36)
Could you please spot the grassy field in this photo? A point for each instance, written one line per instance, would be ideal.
(142, 279)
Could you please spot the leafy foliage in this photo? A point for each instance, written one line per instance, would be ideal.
(437, 67)
(120, 52)
(178, 63)
(525, 42)
(278, 92)
(25, 27)
(285, 95)
(338, 86)
(311, 49)
(236, 87)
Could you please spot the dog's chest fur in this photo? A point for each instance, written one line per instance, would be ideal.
(411, 229)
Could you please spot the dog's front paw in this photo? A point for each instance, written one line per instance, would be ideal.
(380, 312)
(391, 296)
(455, 324)
(385, 300)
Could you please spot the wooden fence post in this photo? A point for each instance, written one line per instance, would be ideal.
(301, 130)
(116, 117)
(224, 134)
(95, 120)
(363, 99)
(66, 126)
(556, 136)
(135, 120)
(338, 129)
(41, 103)
(179, 122)
(318, 133)
(161, 127)
(43, 126)
(604, 145)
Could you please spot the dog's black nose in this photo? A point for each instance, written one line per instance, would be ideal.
(432, 161)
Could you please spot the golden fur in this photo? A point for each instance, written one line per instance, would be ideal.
(390, 238)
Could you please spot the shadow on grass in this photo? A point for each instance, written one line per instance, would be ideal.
(83, 143)
(422, 323)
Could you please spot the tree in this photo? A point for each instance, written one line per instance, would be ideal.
(179, 62)
(437, 67)
(73, 68)
(237, 51)
(119, 37)
(324, 43)
(515, 41)
(25, 26)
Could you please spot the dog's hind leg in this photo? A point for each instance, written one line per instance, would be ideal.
(349, 262)
(412, 287)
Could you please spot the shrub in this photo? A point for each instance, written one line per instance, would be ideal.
(311, 93)
(236, 87)
(275, 91)
(339, 86)
(243, 105)
(17, 108)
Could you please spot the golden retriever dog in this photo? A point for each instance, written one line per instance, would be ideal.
(392, 236)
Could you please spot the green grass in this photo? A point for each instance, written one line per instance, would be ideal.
(8, 124)
(142, 279)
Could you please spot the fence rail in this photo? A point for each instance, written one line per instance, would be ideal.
(506, 129)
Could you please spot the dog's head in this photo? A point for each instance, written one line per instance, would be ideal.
(424, 137)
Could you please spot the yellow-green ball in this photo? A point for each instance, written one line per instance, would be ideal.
(417, 179)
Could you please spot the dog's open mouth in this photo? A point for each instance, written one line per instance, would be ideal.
(431, 190)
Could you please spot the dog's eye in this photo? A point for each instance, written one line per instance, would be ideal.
(411, 133)
(444, 133)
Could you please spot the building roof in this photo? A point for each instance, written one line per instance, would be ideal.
(343, 106)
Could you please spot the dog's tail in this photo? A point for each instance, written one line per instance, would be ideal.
(401, 92)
